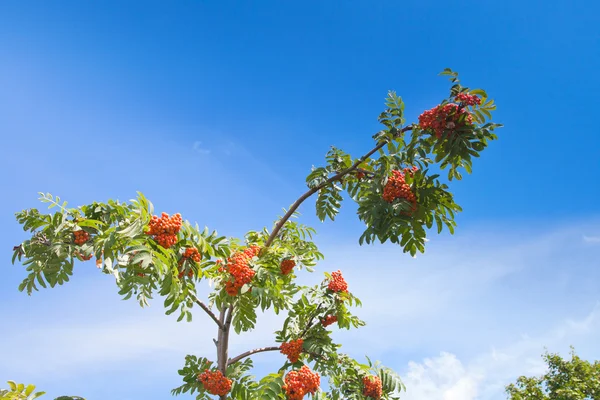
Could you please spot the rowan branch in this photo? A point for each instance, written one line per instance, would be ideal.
(250, 352)
(207, 310)
(310, 321)
(314, 190)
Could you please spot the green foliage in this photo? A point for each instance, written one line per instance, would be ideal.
(400, 146)
(19, 392)
(574, 379)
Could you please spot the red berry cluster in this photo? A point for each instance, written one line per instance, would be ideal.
(397, 188)
(83, 256)
(444, 118)
(337, 282)
(193, 254)
(292, 349)
(372, 387)
(190, 253)
(238, 267)
(190, 274)
(165, 229)
(328, 320)
(301, 382)
(287, 266)
(214, 382)
(81, 237)
(467, 99)
(360, 175)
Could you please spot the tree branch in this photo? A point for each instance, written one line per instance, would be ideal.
(207, 310)
(314, 190)
(310, 321)
(250, 352)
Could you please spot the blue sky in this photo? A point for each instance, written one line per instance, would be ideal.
(218, 109)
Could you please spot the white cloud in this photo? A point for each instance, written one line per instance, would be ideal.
(484, 377)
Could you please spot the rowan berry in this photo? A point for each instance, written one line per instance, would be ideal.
(445, 118)
(287, 266)
(81, 237)
(467, 99)
(300, 382)
(292, 349)
(372, 387)
(337, 282)
(193, 254)
(397, 188)
(239, 269)
(214, 382)
(83, 256)
(165, 229)
(328, 320)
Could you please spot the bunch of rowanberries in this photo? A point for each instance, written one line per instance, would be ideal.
(372, 387)
(292, 349)
(300, 382)
(81, 237)
(238, 267)
(328, 320)
(337, 282)
(467, 99)
(83, 256)
(165, 229)
(193, 254)
(190, 253)
(447, 117)
(287, 266)
(215, 382)
(397, 188)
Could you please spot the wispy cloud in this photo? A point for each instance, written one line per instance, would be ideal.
(591, 239)
(197, 146)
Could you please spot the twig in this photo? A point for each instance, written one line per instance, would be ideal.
(314, 190)
(207, 310)
(250, 352)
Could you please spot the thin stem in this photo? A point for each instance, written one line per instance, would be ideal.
(250, 352)
(314, 190)
(207, 310)
(310, 321)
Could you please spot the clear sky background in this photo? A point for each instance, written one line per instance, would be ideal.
(217, 110)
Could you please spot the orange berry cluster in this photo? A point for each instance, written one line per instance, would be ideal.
(84, 257)
(292, 349)
(301, 382)
(287, 266)
(328, 320)
(189, 253)
(165, 229)
(81, 237)
(467, 99)
(214, 382)
(193, 254)
(444, 117)
(372, 387)
(190, 274)
(337, 282)
(239, 268)
(397, 188)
